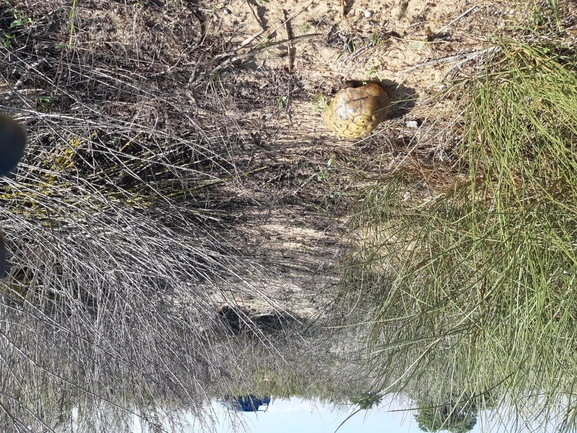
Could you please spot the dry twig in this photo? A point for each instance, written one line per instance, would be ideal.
(289, 44)
(255, 16)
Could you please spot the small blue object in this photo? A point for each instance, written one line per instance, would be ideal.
(247, 403)
(12, 144)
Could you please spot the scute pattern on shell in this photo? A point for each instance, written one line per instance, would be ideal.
(356, 111)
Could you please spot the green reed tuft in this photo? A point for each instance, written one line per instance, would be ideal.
(471, 292)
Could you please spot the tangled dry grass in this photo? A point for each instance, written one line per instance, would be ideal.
(120, 220)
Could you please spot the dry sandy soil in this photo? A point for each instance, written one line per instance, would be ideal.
(297, 54)
(410, 46)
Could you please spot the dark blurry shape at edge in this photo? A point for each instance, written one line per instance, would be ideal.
(2, 256)
(12, 144)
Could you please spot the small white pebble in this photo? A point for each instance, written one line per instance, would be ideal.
(368, 14)
(412, 124)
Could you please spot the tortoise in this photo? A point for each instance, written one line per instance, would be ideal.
(356, 111)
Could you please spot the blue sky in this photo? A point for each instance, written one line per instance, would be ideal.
(297, 416)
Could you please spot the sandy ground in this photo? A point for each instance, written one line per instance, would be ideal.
(411, 46)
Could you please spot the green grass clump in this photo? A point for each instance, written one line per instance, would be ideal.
(471, 292)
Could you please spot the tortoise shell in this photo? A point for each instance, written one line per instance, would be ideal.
(356, 111)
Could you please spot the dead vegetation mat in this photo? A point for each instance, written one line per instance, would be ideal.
(212, 111)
